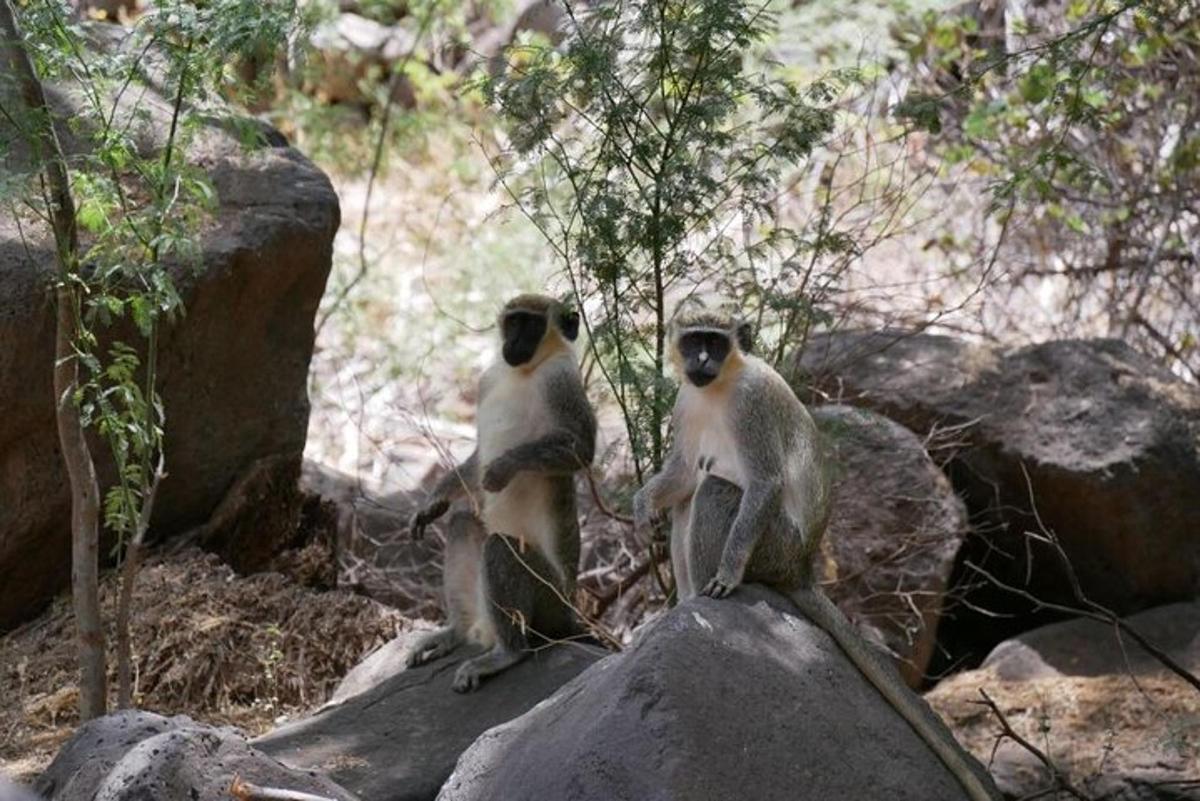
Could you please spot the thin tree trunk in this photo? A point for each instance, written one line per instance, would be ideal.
(81, 472)
(85, 517)
(129, 568)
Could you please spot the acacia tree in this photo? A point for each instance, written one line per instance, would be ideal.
(1085, 122)
(649, 151)
(120, 214)
(85, 493)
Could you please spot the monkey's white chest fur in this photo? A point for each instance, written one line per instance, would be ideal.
(706, 438)
(512, 413)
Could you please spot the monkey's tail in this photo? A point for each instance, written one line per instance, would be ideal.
(883, 676)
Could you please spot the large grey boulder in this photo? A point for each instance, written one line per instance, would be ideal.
(1087, 439)
(894, 534)
(1110, 716)
(139, 756)
(398, 739)
(1082, 647)
(737, 698)
(233, 370)
(13, 792)
(910, 377)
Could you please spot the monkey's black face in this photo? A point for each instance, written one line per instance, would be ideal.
(703, 353)
(523, 332)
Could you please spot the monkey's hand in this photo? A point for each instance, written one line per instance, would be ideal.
(722, 584)
(425, 515)
(497, 475)
(643, 519)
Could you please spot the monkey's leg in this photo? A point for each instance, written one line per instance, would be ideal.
(460, 580)
(714, 508)
(521, 591)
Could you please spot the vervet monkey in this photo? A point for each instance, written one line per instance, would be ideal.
(749, 490)
(510, 571)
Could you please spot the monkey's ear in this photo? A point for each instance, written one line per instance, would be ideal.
(569, 322)
(745, 337)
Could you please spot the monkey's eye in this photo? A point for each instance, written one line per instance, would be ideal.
(715, 346)
(523, 325)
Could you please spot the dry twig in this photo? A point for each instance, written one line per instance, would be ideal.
(1061, 781)
(244, 791)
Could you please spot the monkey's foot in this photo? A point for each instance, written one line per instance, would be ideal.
(473, 671)
(433, 646)
(717, 589)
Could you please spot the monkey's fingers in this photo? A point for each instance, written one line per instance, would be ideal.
(717, 589)
(416, 527)
(465, 680)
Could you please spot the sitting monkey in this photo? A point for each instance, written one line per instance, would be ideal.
(749, 492)
(510, 572)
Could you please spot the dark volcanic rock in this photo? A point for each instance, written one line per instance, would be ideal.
(894, 534)
(1090, 648)
(137, 756)
(398, 740)
(1103, 443)
(737, 698)
(912, 378)
(233, 370)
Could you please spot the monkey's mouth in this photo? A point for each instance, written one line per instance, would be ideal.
(516, 354)
(701, 378)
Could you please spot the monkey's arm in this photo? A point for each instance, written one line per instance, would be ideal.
(671, 486)
(666, 488)
(570, 445)
(450, 487)
(762, 449)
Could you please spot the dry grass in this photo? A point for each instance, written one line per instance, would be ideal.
(1095, 728)
(206, 642)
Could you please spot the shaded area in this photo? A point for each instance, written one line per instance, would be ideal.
(233, 371)
(399, 740)
(1087, 439)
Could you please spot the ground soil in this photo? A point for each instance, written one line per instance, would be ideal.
(245, 651)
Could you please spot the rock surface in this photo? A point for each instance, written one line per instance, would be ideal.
(352, 51)
(1090, 648)
(911, 378)
(132, 756)
(738, 698)
(233, 370)
(894, 534)
(13, 792)
(399, 739)
(375, 553)
(1065, 687)
(1105, 442)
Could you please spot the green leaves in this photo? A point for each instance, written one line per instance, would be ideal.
(922, 109)
(638, 147)
(1085, 131)
(140, 200)
(1039, 83)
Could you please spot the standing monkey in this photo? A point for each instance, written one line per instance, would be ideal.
(510, 572)
(749, 492)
